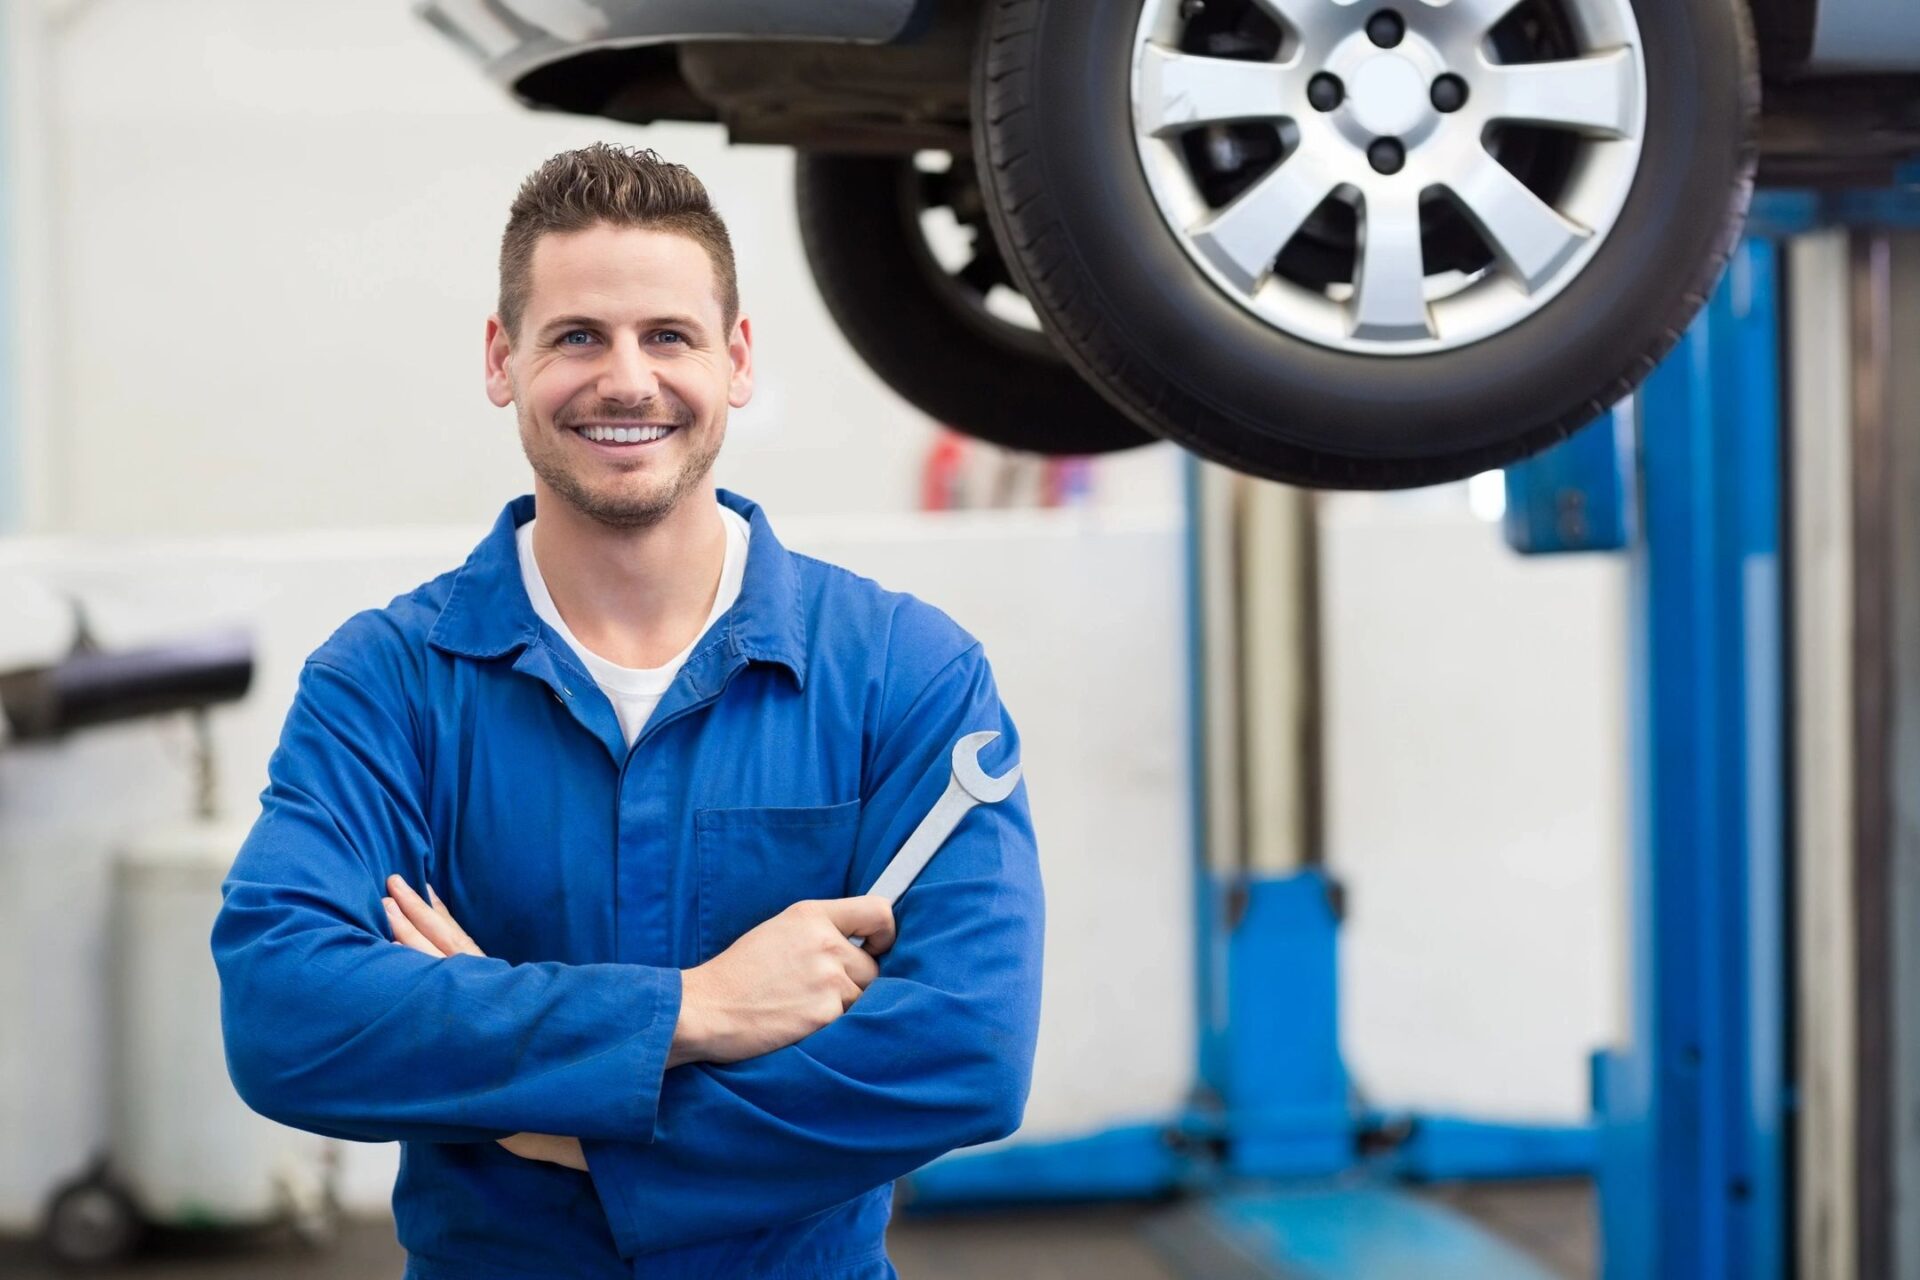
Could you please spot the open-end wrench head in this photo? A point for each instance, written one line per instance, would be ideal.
(972, 778)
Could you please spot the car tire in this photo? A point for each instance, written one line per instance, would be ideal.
(1074, 207)
(927, 332)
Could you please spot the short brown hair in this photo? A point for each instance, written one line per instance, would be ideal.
(624, 186)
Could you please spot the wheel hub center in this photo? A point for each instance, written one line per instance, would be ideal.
(1389, 93)
(1390, 96)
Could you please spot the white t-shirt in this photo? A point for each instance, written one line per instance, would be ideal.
(636, 691)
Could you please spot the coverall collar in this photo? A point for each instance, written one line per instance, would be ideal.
(488, 615)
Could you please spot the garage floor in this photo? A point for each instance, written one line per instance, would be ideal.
(1551, 1221)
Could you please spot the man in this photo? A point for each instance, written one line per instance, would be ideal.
(650, 759)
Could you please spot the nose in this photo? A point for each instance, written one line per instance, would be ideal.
(626, 375)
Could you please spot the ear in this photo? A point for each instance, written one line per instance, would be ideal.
(499, 351)
(740, 352)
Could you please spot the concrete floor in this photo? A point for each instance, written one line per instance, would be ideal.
(1555, 1222)
(1551, 1221)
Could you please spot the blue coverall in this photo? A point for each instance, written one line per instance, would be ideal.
(454, 739)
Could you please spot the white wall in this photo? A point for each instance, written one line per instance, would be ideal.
(1476, 714)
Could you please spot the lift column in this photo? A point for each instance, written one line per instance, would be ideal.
(1694, 1107)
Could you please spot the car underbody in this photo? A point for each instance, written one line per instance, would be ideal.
(913, 95)
(1345, 245)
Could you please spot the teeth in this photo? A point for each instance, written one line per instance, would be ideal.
(624, 435)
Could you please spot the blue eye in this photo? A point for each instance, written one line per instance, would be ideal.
(675, 334)
(567, 338)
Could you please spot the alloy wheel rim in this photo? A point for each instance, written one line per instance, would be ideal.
(1390, 177)
(950, 237)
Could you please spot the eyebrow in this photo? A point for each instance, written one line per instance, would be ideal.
(594, 322)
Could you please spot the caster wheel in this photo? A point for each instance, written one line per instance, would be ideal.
(91, 1222)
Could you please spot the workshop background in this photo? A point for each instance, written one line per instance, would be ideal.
(248, 252)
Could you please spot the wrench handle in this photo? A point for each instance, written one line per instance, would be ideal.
(920, 847)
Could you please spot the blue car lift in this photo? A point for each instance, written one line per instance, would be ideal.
(1689, 1145)
(1694, 1111)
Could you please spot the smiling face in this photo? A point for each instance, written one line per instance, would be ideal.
(622, 371)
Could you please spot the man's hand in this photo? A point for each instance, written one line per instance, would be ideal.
(425, 927)
(431, 928)
(544, 1146)
(782, 981)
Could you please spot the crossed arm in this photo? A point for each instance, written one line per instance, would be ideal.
(774, 987)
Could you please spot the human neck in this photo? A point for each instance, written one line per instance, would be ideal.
(635, 597)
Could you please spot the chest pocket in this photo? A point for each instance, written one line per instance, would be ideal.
(755, 863)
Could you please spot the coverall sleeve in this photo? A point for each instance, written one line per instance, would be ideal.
(937, 1054)
(332, 1028)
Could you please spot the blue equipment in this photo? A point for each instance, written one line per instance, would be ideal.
(1691, 1144)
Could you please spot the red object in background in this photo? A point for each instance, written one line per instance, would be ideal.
(957, 476)
(943, 475)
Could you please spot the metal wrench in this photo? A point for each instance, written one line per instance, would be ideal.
(968, 787)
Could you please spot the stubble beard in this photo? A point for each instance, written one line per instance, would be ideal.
(624, 509)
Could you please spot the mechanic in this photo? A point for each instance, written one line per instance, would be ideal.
(651, 759)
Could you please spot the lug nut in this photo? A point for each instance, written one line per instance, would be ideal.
(1387, 155)
(1449, 93)
(1325, 92)
(1386, 29)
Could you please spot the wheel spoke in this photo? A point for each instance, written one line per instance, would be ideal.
(1477, 17)
(1181, 90)
(1597, 96)
(1243, 239)
(1390, 301)
(1523, 231)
